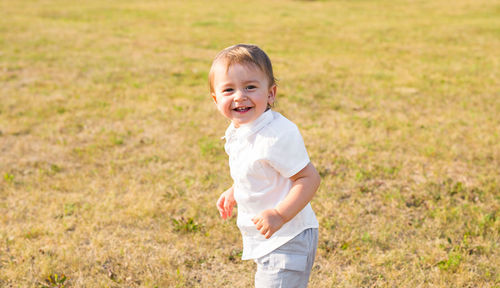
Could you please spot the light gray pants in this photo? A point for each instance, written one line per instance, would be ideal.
(290, 265)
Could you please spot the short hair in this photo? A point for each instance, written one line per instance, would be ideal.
(246, 54)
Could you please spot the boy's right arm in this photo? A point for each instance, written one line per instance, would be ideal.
(226, 203)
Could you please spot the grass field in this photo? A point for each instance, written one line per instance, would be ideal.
(111, 159)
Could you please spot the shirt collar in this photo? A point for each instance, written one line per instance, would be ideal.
(246, 130)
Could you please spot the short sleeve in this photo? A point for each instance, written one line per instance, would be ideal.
(287, 153)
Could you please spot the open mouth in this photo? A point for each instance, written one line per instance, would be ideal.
(242, 109)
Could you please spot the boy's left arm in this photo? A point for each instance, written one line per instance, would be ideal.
(304, 186)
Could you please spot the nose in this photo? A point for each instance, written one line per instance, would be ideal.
(239, 96)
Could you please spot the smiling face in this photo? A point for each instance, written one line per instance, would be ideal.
(241, 92)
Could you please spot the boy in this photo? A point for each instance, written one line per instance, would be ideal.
(274, 181)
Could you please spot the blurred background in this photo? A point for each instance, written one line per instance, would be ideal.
(111, 159)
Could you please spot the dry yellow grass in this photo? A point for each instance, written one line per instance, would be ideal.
(110, 158)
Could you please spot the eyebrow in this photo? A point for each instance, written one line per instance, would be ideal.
(244, 82)
(251, 81)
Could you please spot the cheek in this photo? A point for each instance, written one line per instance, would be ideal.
(227, 100)
(224, 103)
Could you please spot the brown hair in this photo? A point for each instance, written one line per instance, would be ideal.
(243, 54)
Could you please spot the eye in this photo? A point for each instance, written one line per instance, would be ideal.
(251, 87)
(227, 90)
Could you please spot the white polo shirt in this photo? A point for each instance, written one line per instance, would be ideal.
(263, 155)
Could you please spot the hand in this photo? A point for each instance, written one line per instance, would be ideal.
(268, 222)
(226, 203)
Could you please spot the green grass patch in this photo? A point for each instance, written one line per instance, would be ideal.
(109, 137)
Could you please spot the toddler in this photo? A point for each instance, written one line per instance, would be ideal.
(273, 179)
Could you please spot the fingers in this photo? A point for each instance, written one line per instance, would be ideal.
(220, 202)
(263, 228)
(257, 221)
(259, 225)
(266, 231)
(268, 234)
(267, 223)
(225, 206)
(228, 212)
(220, 206)
(228, 208)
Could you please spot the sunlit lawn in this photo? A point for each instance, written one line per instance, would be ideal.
(111, 159)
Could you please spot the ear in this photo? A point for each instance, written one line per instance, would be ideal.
(271, 95)
(214, 97)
